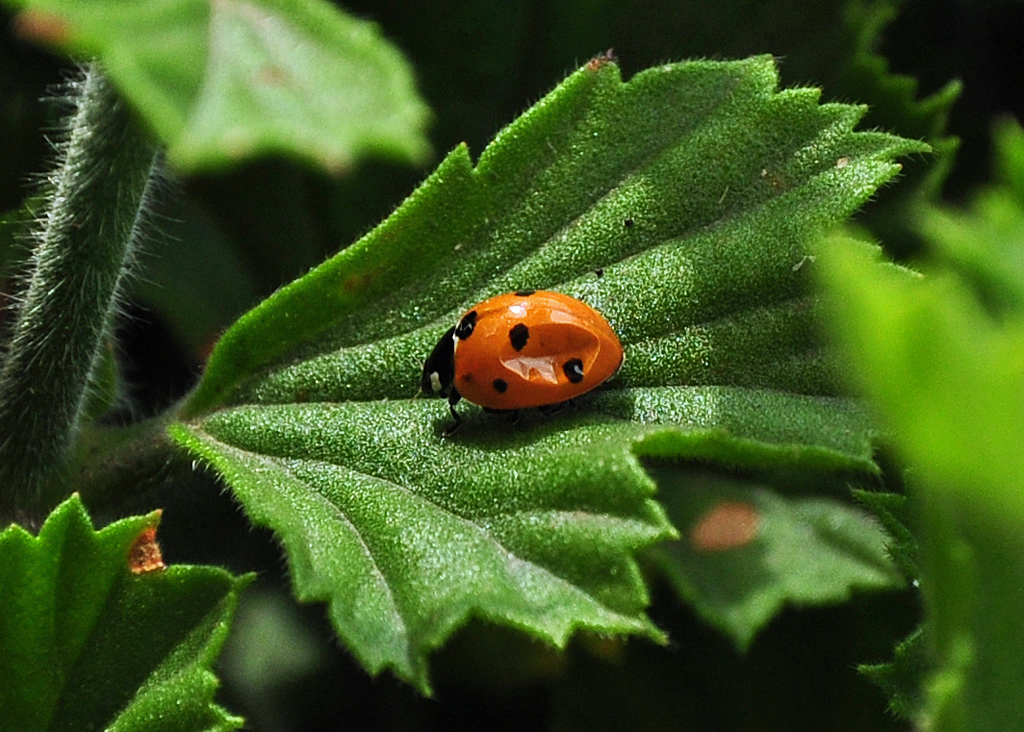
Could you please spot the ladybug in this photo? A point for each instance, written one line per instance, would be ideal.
(529, 348)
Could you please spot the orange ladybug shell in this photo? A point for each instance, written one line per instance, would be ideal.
(531, 349)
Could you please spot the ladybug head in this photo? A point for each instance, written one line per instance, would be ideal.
(439, 368)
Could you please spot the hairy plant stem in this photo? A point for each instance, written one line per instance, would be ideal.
(83, 249)
(115, 465)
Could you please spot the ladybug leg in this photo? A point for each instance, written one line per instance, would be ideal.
(549, 409)
(511, 415)
(454, 426)
(453, 398)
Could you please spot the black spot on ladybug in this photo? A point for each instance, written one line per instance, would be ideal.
(518, 336)
(524, 293)
(628, 223)
(573, 369)
(500, 385)
(465, 327)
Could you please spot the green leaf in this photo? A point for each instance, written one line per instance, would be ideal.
(746, 551)
(895, 105)
(893, 97)
(227, 80)
(983, 242)
(917, 345)
(306, 409)
(405, 538)
(86, 643)
(903, 679)
(941, 358)
(599, 174)
(892, 511)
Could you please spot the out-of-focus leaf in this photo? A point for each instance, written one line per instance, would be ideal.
(896, 105)
(746, 551)
(942, 359)
(194, 278)
(983, 242)
(903, 678)
(271, 649)
(893, 512)
(222, 81)
(90, 639)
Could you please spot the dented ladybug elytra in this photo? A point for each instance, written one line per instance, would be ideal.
(529, 348)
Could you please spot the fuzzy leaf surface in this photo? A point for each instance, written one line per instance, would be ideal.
(85, 643)
(695, 188)
(222, 81)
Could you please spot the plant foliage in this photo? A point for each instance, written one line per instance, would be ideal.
(305, 406)
(941, 358)
(224, 81)
(688, 203)
(90, 641)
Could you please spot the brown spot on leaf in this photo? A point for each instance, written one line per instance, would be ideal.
(601, 59)
(42, 26)
(774, 178)
(144, 556)
(359, 282)
(272, 75)
(726, 525)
